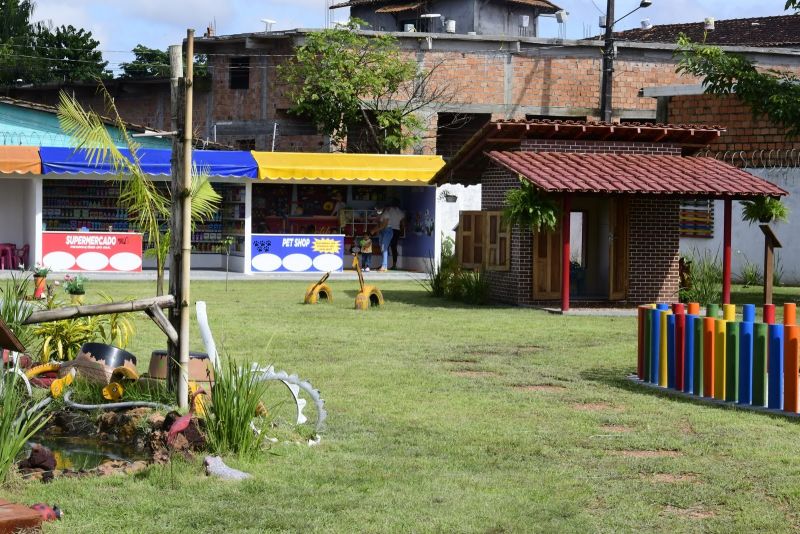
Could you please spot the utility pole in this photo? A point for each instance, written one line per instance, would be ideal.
(176, 125)
(607, 84)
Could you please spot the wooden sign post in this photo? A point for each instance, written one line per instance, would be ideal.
(770, 244)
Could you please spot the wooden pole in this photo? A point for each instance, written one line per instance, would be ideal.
(72, 312)
(726, 252)
(186, 223)
(178, 125)
(566, 207)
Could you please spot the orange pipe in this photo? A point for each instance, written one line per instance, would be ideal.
(708, 356)
(791, 401)
(693, 308)
(789, 314)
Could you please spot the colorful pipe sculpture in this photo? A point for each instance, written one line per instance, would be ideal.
(739, 361)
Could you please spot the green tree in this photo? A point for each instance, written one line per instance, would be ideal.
(340, 78)
(154, 63)
(68, 54)
(147, 206)
(16, 53)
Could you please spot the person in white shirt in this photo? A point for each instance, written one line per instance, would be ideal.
(396, 220)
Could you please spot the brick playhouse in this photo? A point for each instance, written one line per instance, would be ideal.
(619, 187)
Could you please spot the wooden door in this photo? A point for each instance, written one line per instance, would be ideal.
(618, 249)
(470, 239)
(547, 265)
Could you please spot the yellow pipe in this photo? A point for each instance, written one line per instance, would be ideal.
(729, 312)
(663, 368)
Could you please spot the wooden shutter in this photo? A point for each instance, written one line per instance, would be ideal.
(618, 250)
(498, 242)
(470, 239)
(547, 265)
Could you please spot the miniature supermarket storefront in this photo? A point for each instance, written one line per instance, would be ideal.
(283, 212)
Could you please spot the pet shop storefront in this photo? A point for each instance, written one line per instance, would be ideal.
(307, 211)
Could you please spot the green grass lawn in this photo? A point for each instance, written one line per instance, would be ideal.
(445, 418)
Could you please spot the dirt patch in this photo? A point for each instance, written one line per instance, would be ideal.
(519, 350)
(617, 428)
(462, 360)
(668, 478)
(539, 387)
(469, 373)
(686, 427)
(695, 512)
(596, 407)
(649, 454)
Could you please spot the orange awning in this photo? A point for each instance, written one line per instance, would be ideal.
(20, 159)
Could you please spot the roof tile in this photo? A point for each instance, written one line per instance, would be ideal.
(634, 173)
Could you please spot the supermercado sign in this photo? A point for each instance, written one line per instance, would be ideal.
(92, 251)
(296, 253)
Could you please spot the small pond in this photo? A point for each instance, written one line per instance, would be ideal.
(77, 452)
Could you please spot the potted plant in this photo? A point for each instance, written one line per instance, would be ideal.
(74, 285)
(764, 210)
(530, 208)
(448, 196)
(40, 273)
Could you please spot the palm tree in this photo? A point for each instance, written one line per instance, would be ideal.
(147, 206)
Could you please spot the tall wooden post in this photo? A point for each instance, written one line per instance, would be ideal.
(726, 252)
(177, 125)
(186, 230)
(770, 244)
(566, 207)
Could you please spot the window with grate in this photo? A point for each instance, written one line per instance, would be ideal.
(697, 218)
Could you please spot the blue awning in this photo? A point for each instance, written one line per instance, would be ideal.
(154, 161)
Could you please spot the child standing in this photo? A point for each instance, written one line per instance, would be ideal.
(365, 243)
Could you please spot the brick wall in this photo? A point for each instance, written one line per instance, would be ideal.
(744, 131)
(601, 147)
(514, 286)
(653, 256)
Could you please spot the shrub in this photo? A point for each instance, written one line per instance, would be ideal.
(705, 279)
(474, 287)
(750, 275)
(235, 400)
(439, 277)
(17, 425)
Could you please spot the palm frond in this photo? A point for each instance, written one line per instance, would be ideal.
(205, 200)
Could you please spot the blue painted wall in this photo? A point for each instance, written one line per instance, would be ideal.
(29, 127)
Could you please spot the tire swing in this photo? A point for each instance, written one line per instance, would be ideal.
(319, 292)
(369, 295)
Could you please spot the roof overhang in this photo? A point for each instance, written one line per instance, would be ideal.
(636, 174)
(20, 160)
(467, 165)
(385, 169)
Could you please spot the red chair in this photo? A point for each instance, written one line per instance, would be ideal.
(21, 256)
(7, 255)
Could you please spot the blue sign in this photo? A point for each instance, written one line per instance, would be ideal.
(296, 253)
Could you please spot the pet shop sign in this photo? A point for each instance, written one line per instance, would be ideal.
(296, 253)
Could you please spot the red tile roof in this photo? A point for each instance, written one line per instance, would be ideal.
(634, 173)
(779, 31)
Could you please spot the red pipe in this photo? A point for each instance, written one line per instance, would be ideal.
(566, 207)
(726, 254)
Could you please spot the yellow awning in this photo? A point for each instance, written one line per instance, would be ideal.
(388, 169)
(20, 159)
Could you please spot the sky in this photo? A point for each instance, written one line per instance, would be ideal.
(120, 25)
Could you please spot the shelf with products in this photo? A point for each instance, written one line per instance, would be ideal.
(72, 205)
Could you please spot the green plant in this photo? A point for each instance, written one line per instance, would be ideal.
(40, 270)
(530, 208)
(114, 328)
(764, 210)
(63, 339)
(225, 247)
(750, 275)
(18, 423)
(235, 397)
(15, 309)
(705, 279)
(475, 287)
(439, 276)
(75, 285)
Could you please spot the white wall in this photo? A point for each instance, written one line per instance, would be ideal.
(12, 210)
(748, 240)
(469, 198)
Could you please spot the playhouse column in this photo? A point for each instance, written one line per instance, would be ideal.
(566, 207)
(726, 252)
